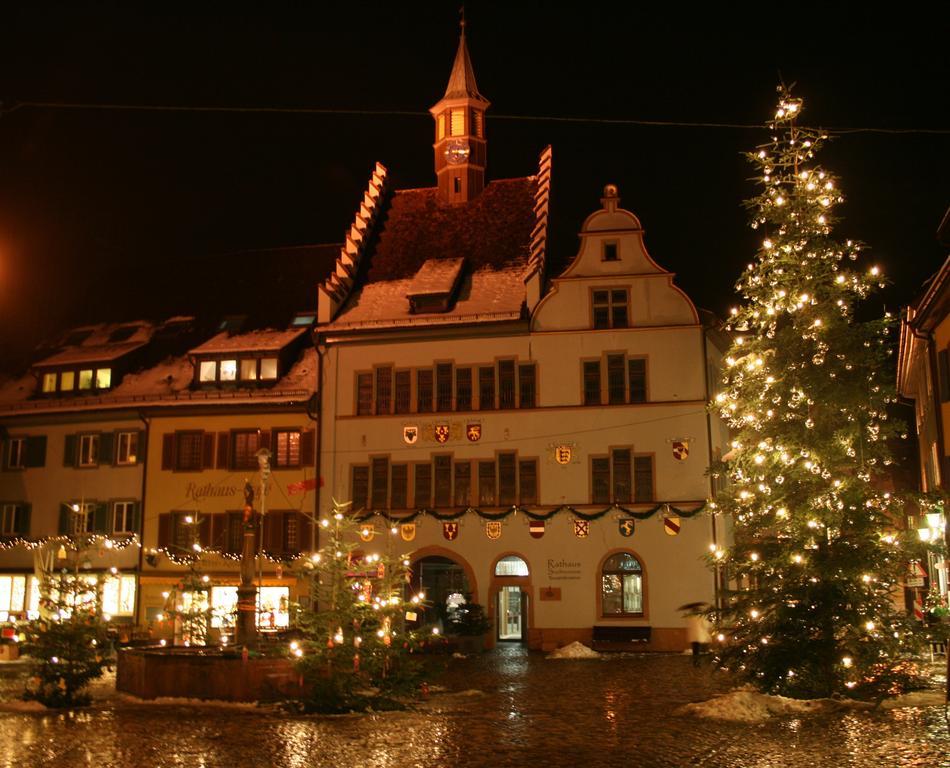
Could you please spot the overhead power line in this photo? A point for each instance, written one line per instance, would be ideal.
(418, 113)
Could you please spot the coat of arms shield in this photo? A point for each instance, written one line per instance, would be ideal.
(407, 531)
(493, 529)
(473, 432)
(410, 434)
(441, 432)
(450, 531)
(582, 528)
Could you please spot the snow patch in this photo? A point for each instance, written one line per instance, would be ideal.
(165, 701)
(916, 699)
(22, 706)
(745, 706)
(575, 650)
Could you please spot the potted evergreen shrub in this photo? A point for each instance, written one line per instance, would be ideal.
(470, 624)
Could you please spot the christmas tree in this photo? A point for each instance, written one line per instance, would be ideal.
(357, 634)
(816, 564)
(188, 602)
(68, 644)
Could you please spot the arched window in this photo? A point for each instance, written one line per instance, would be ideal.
(622, 586)
(512, 565)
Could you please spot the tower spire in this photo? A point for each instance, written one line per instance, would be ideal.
(460, 147)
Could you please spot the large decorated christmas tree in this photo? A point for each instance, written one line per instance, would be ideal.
(359, 632)
(812, 608)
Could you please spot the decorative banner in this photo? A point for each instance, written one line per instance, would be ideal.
(493, 529)
(681, 450)
(536, 528)
(671, 525)
(473, 432)
(366, 532)
(410, 434)
(303, 486)
(407, 531)
(441, 432)
(582, 528)
(626, 527)
(450, 531)
(563, 454)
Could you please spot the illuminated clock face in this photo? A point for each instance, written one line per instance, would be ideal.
(457, 151)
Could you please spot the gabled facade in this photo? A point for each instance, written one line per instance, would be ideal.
(538, 443)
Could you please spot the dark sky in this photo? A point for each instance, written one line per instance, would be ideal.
(115, 213)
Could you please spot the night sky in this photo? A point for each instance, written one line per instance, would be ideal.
(111, 214)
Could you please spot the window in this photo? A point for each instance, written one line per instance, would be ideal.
(207, 370)
(127, 446)
(423, 485)
(118, 595)
(123, 517)
(622, 586)
(360, 487)
(103, 378)
(610, 251)
(592, 382)
(85, 379)
(268, 368)
(463, 389)
(637, 369)
(479, 123)
(440, 123)
(82, 518)
(287, 448)
(457, 184)
(16, 453)
(234, 538)
(526, 386)
(486, 483)
(188, 450)
(184, 532)
(244, 447)
(463, 483)
(399, 490)
(380, 483)
(67, 380)
(384, 389)
(486, 389)
(49, 382)
(610, 308)
(424, 391)
(227, 370)
(364, 394)
(249, 370)
(88, 450)
(506, 384)
(443, 481)
(12, 595)
(402, 392)
(511, 565)
(621, 478)
(507, 488)
(443, 387)
(616, 380)
(12, 520)
(528, 481)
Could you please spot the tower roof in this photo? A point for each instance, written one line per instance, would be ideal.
(462, 80)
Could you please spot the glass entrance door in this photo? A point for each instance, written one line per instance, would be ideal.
(509, 613)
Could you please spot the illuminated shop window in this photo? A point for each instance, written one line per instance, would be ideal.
(622, 586)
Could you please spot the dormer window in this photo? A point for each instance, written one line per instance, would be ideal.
(85, 379)
(248, 370)
(435, 285)
(227, 370)
(103, 378)
(207, 371)
(245, 369)
(67, 381)
(611, 251)
(49, 383)
(268, 368)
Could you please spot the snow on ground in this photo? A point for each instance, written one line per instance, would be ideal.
(745, 706)
(575, 650)
(916, 699)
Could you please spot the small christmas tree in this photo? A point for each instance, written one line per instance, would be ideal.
(816, 564)
(68, 644)
(188, 603)
(356, 635)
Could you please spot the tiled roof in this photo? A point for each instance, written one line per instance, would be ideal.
(253, 341)
(491, 233)
(462, 79)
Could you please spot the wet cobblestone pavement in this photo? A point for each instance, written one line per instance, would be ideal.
(527, 710)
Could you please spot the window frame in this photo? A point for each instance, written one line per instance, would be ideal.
(275, 447)
(20, 441)
(11, 514)
(189, 434)
(93, 440)
(132, 436)
(636, 495)
(128, 514)
(641, 574)
(249, 462)
(606, 245)
(610, 305)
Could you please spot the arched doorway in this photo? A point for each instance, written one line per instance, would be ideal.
(511, 588)
(446, 583)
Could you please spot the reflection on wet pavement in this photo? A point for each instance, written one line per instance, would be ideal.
(609, 712)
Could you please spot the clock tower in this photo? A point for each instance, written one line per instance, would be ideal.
(460, 147)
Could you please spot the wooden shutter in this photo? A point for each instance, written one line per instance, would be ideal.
(307, 441)
(263, 440)
(165, 526)
(943, 374)
(136, 523)
(207, 450)
(35, 451)
(100, 518)
(106, 444)
(272, 532)
(224, 446)
(64, 513)
(204, 530)
(140, 448)
(168, 450)
(359, 488)
(23, 523)
(69, 453)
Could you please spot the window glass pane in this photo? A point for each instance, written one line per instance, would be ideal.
(127, 448)
(610, 252)
(18, 593)
(268, 368)
(612, 594)
(486, 483)
(188, 450)
(85, 379)
(424, 391)
(380, 481)
(49, 382)
(638, 380)
(618, 316)
(384, 389)
(526, 385)
(592, 382)
(103, 378)
(207, 370)
(67, 380)
(600, 481)
(126, 595)
(616, 385)
(486, 389)
(511, 566)
(249, 370)
(632, 593)
(463, 483)
(6, 590)
(622, 480)
(443, 385)
(643, 478)
(399, 495)
(506, 384)
(463, 389)
(364, 394)
(110, 596)
(423, 485)
(244, 447)
(360, 491)
(506, 479)
(443, 481)
(402, 392)
(228, 370)
(528, 480)
(288, 448)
